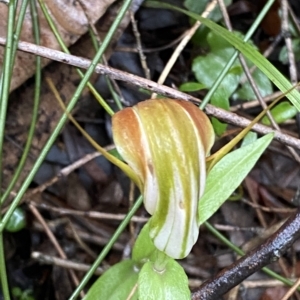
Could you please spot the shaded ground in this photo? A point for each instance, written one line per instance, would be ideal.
(70, 207)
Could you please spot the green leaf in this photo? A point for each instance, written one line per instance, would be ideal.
(248, 51)
(191, 87)
(263, 83)
(228, 174)
(218, 99)
(283, 55)
(195, 6)
(250, 137)
(143, 247)
(208, 67)
(116, 154)
(281, 113)
(17, 220)
(116, 283)
(167, 284)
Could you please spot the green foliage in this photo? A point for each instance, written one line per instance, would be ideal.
(198, 7)
(168, 283)
(116, 154)
(22, 295)
(218, 100)
(228, 174)
(143, 248)
(263, 83)
(246, 49)
(191, 87)
(249, 138)
(283, 55)
(195, 6)
(116, 283)
(208, 67)
(17, 221)
(281, 113)
(253, 55)
(156, 275)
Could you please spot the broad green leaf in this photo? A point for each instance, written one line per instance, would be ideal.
(116, 283)
(228, 174)
(208, 67)
(17, 220)
(191, 87)
(218, 99)
(283, 55)
(281, 113)
(248, 51)
(171, 283)
(249, 138)
(195, 5)
(263, 83)
(143, 247)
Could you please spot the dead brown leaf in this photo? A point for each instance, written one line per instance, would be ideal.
(71, 23)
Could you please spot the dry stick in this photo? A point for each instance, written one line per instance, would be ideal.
(268, 252)
(255, 89)
(139, 46)
(67, 170)
(270, 209)
(266, 53)
(258, 96)
(187, 36)
(257, 93)
(150, 50)
(288, 42)
(89, 214)
(289, 46)
(92, 238)
(52, 260)
(98, 39)
(247, 284)
(294, 79)
(62, 173)
(294, 18)
(219, 113)
(292, 290)
(55, 243)
(254, 103)
(80, 242)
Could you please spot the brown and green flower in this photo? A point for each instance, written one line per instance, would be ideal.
(165, 143)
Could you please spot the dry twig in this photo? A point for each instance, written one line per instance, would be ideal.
(219, 113)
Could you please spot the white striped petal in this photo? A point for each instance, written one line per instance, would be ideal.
(165, 142)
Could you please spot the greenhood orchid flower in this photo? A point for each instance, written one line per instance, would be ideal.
(165, 143)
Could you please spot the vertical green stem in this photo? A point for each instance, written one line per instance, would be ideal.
(6, 72)
(161, 260)
(4, 94)
(36, 91)
(3, 275)
(107, 248)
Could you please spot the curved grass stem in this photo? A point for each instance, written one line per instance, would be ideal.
(35, 104)
(107, 248)
(66, 50)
